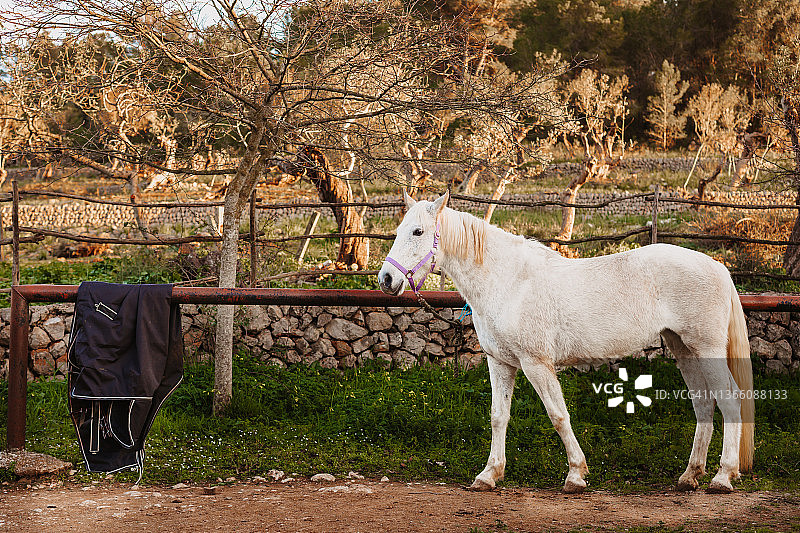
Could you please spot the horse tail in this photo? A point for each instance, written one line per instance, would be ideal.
(742, 371)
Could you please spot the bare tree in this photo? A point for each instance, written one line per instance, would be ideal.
(719, 116)
(297, 79)
(598, 107)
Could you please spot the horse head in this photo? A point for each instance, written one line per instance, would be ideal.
(413, 254)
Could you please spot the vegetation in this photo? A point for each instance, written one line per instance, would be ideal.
(423, 423)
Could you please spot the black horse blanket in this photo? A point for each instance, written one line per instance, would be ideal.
(125, 359)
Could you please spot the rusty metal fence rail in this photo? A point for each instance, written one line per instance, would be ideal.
(23, 295)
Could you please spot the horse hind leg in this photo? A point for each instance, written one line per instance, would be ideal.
(706, 365)
(502, 377)
(703, 405)
(544, 380)
(726, 392)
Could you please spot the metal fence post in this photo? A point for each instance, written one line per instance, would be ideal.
(17, 371)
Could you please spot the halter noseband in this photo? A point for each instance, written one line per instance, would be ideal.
(409, 274)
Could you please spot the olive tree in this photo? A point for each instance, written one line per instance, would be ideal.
(311, 85)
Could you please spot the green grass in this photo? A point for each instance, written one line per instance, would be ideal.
(423, 423)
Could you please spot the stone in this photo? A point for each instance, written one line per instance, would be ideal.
(413, 343)
(312, 334)
(380, 342)
(344, 330)
(285, 342)
(439, 325)
(762, 348)
(329, 362)
(274, 361)
(5, 336)
(384, 360)
(355, 488)
(395, 338)
(781, 317)
(38, 339)
(354, 475)
(276, 475)
(403, 359)
(434, 349)
(256, 318)
(775, 332)
(42, 362)
(349, 311)
(401, 322)
(280, 327)
(349, 361)
(274, 312)
(421, 330)
(422, 316)
(783, 352)
(58, 350)
(31, 464)
(363, 357)
(249, 341)
(343, 348)
(265, 340)
(292, 357)
(302, 346)
(362, 344)
(325, 347)
(378, 321)
(55, 328)
(312, 358)
(754, 327)
(394, 311)
(775, 366)
(323, 319)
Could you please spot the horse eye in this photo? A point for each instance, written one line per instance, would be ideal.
(417, 232)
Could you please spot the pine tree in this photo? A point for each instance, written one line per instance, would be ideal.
(667, 124)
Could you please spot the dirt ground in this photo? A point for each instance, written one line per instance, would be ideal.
(372, 506)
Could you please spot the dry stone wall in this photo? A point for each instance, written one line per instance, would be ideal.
(206, 219)
(346, 337)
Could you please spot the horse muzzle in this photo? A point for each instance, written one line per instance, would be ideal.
(394, 285)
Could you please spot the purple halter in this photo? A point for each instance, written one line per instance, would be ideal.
(409, 274)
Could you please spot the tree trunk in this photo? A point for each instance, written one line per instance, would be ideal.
(236, 197)
(593, 169)
(419, 175)
(468, 186)
(352, 250)
(791, 259)
(509, 177)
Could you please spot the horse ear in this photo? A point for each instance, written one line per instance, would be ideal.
(409, 201)
(440, 203)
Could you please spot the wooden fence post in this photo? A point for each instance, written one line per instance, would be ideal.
(654, 226)
(15, 242)
(312, 224)
(253, 234)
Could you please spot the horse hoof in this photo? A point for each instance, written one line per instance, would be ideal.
(481, 486)
(572, 487)
(687, 485)
(715, 487)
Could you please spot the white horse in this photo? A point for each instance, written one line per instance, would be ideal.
(534, 309)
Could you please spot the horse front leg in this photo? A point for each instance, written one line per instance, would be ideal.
(544, 380)
(502, 377)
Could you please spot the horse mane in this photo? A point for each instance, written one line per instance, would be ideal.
(463, 234)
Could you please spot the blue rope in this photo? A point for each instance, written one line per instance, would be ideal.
(465, 312)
